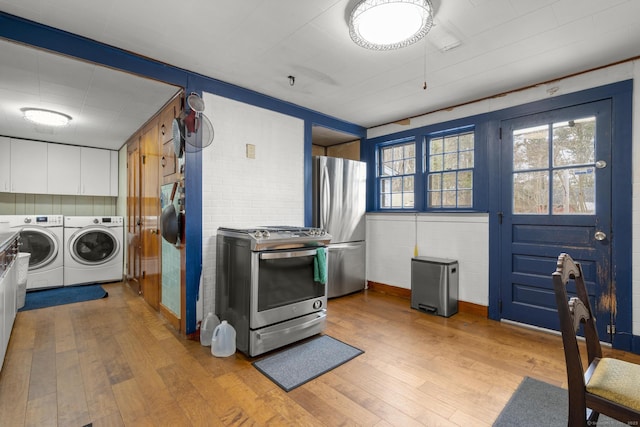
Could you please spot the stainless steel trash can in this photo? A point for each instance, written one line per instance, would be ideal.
(434, 285)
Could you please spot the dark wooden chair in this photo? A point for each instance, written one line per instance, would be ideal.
(608, 386)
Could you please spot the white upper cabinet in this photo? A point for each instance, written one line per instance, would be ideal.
(28, 166)
(95, 172)
(5, 164)
(114, 174)
(64, 169)
(49, 168)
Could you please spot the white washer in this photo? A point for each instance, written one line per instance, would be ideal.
(93, 249)
(42, 236)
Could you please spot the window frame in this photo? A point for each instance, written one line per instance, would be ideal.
(379, 177)
(426, 172)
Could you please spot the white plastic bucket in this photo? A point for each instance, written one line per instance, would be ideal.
(22, 270)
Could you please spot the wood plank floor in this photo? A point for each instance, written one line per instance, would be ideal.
(115, 361)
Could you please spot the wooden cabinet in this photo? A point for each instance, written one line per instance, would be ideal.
(28, 166)
(151, 161)
(95, 172)
(63, 169)
(5, 164)
(169, 161)
(166, 120)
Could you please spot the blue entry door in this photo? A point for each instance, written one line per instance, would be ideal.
(556, 197)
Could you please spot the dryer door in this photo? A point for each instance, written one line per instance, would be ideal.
(94, 245)
(41, 243)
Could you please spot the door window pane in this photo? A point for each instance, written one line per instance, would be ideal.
(574, 191)
(531, 148)
(573, 187)
(574, 142)
(531, 193)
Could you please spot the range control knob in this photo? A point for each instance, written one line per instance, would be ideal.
(317, 304)
(261, 234)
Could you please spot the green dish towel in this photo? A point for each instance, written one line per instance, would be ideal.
(320, 266)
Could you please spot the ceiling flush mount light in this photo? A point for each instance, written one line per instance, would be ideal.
(390, 24)
(45, 117)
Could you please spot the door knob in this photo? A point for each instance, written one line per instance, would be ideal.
(600, 235)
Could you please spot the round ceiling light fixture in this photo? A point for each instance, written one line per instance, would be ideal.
(45, 117)
(390, 24)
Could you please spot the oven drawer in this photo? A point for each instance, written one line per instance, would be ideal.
(275, 336)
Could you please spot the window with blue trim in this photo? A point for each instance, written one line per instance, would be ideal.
(396, 175)
(450, 161)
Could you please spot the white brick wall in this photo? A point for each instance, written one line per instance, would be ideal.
(241, 192)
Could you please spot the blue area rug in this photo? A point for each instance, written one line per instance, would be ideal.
(536, 403)
(297, 365)
(60, 296)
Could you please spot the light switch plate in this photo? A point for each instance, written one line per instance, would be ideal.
(251, 151)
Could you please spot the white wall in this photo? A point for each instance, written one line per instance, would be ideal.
(479, 292)
(242, 192)
(390, 246)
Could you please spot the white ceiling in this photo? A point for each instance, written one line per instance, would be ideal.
(503, 45)
(106, 106)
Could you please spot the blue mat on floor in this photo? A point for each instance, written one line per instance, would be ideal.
(297, 365)
(59, 296)
(536, 403)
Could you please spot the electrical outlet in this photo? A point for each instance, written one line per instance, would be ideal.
(251, 151)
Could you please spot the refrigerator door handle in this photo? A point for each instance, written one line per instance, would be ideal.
(325, 196)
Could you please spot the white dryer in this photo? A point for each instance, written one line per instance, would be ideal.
(94, 250)
(41, 236)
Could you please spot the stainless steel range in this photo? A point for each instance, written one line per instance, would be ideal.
(271, 284)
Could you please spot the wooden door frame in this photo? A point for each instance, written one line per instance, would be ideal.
(133, 198)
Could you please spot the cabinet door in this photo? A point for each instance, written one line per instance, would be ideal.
(28, 166)
(95, 171)
(5, 164)
(63, 169)
(168, 163)
(166, 120)
(114, 174)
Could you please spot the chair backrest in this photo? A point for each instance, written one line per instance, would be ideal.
(572, 312)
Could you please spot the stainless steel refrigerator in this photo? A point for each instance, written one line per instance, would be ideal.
(339, 203)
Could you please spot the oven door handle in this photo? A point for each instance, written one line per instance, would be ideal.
(264, 335)
(287, 254)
